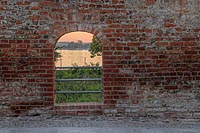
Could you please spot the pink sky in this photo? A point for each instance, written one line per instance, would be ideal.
(75, 36)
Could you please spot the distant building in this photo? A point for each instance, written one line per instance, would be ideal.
(76, 53)
(73, 45)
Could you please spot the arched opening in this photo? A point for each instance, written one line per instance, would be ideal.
(78, 64)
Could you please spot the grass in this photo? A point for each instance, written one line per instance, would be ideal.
(78, 85)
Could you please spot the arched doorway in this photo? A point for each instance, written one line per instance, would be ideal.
(78, 64)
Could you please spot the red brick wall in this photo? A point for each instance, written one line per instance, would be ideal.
(151, 54)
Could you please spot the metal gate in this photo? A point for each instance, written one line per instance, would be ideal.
(78, 84)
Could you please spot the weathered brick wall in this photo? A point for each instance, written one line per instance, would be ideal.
(151, 53)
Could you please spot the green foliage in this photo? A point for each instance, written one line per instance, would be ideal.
(64, 98)
(57, 55)
(78, 85)
(95, 47)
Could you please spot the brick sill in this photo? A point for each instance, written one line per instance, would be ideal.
(78, 104)
(78, 108)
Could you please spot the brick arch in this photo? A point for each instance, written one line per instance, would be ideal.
(85, 108)
(98, 32)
